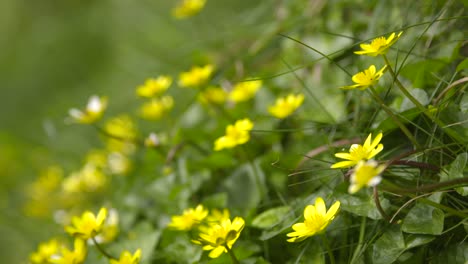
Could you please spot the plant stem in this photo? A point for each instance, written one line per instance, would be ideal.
(362, 231)
(232, 255)
(423, 109)
(394, 117)
(327, 245)
(379, 206)
(101, 250)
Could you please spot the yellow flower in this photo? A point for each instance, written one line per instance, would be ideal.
(236, 134)
(127, 258)
(365, 173)
(219, 237)
(152, 140)
(88, 225)
(92, 113)
(196, 76)
(366, 78)
(77, 256)
(215, 95)
(359, 152)
(44, 252)
(379, 45)
(154, 86)
(244, 91)
(156, 108)
(110, 229)
(285, 106)
(190, 218)
(217, 216)
(316, 220)
(188, 8)
(123, 131)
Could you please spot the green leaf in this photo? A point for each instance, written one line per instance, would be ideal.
(418, 94)
(362, 204)
(388, 124)
(417, 240)
(456, 170)
(424, 219)
(143, 237)
(454, 254)
(270, 217)
(389, 246)
(462, 65)
(464, 103)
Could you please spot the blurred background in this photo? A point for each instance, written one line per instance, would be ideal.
(55, 54)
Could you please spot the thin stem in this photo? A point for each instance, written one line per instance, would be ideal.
(101, 250)
(327, 245)
(362, 231)
(394, 117)
(400, 85)
(232, 255)
(423, 109)
(379, 206)
(429, 187)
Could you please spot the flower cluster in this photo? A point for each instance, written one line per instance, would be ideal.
(366, 171)
(100, 228)
(217, 232)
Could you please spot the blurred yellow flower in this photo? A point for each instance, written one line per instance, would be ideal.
(196, 76)
(152, 140)
(217, 216)
(92, 113)
(220, 237)
(285, 106)
(187, 8)
(244, 91)
(87, 179)
(44, 252)
(236, 134)
(190, 218)
(379, 45)
(156, 108)
(123, 131)
(359, 152)
(365, 78)
(110, 228)
(127, 258)
(365, 173)
(154, 86)
(215, 95)
(88, 225)
(77, 256)
(316, 220)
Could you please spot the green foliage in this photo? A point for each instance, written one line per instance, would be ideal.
(53, 168)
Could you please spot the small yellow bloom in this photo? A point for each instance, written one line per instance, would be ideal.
(77, 256)
(379, 45)
(316, 220)
(217, 216)
(366, 78)
(285, 106)
(188, 8)
(92, 113)
(196, 76)
(154, 86)
(110, 229)
(152, 140)
(365, 173)
(156, 108)
(44, 252)
(127, 258)
(359, 152)
(88, 225)
(215, 95)
(244, 91)
(190, 218)
(236, 134)
(123, 131)
(219, 237)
